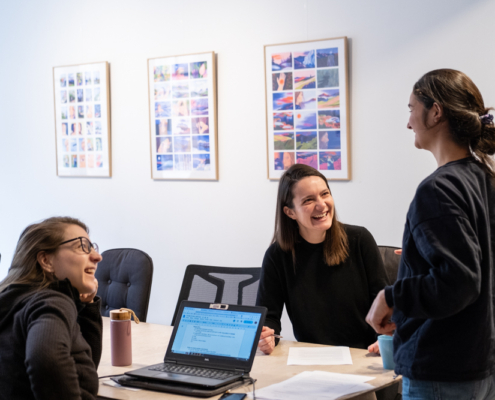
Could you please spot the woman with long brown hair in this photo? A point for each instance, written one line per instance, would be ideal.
(442, 304)
(326, 273)
(50, 321)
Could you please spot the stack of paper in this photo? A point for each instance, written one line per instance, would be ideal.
(315, 385)
(337, 355)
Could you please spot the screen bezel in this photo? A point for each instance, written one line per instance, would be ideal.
(215, 361)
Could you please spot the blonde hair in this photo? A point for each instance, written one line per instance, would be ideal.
(43, 236)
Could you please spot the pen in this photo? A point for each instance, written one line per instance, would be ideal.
(277, 336)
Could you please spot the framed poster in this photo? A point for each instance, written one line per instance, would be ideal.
(307, 107)
(82, 119)
(183, 117)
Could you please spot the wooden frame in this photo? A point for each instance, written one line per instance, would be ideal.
(183, 117)
(82, 120)
(307, 107)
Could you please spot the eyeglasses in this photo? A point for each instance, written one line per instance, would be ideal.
(86, 245)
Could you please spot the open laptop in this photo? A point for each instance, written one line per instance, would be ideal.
(211, 345)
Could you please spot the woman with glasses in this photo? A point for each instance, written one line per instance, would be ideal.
(50, 321)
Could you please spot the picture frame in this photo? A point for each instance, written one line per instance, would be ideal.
(82, 120)
(183, 117)
(307, 107)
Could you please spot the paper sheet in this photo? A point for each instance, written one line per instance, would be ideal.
(338, 355)
(315, 385)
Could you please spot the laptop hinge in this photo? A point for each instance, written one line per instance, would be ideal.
(240, 370)
(171, 362)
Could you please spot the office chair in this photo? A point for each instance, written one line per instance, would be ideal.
(219, 285)
(124, 280)
(391, 261)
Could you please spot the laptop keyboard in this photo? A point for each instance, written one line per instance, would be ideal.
(194, 371)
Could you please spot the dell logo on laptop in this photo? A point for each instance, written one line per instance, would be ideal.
(207, 359)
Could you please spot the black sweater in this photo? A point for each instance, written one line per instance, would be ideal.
(326, 305)
(444, 297)
(50, 343)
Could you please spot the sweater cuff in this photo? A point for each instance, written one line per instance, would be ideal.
(389, 296)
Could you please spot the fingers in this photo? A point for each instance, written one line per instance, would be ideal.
(267, 345)
(266, 332)
(373, 348)
(399, 251)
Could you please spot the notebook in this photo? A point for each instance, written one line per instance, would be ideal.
(211, 345)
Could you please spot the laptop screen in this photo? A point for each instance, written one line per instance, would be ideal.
(224, 333)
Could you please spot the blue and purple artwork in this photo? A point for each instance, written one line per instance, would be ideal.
(182, 144)
(283, 101)
(199, 107)
(181, 126)
(97, 110)
(164, 162)
(199, 88)
(200, 125)
(308, 158)
(80, 95)
(283, 121)
(305, 79)
(330, 160)
(327, 57)
(199, 70)
(306, 140)
(328, 98)
(63, 96)
(163, 127)
(63, 80)
(180, 71)
(201, 144)
(305, 120)
(305, 100)
(201, 162)
(182, 162)
(329, 140)
(180, 90)
(281, 61)
(329, 119)
(304, 59)
(163, 109)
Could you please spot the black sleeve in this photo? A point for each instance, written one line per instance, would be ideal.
(49, 364)
(373, 264)
(270, 292)
(450, 247)
(91, 324)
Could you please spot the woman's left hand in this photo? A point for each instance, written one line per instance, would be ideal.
(373, 348)
(88, 297)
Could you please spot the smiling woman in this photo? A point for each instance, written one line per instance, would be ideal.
(326, 273)
(50, 322)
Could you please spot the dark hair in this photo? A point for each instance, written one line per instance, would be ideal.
(43, 236)
(336, 244)
(463, 108)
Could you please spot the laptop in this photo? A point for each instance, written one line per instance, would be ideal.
(211, 345)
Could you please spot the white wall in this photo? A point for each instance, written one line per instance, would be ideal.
(229, 222)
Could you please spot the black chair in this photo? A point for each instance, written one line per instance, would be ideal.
(124, 280)
(219, 285)
(391, 261)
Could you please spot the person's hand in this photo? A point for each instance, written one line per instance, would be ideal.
(379, 315)
(88, 297)
(373, 348)
(267, 341)
(281, 81)
(398, 251)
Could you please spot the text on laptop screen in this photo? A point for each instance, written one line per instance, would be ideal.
(216, 333)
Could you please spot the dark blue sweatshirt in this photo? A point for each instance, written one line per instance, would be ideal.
(444, 295)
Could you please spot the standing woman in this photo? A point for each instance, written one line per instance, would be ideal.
(326, 273)
(50, 322)
(442, 303)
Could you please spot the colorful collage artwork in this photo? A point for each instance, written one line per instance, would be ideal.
(182, 115)
(306, 93)
(81, 100)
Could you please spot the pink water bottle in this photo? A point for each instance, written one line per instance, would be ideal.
(120, 336)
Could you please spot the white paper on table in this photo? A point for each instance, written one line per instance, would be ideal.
(338, 355)
(315, 385)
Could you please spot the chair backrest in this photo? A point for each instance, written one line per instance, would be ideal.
(391, 261)
(124, 280)
(219, 285)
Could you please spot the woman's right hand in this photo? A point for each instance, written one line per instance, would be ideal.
(398, 251)
(267, 340)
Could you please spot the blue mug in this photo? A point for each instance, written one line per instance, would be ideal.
(386, 345)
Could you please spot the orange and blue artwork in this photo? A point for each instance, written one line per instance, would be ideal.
(283, 101)
(283, 121)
